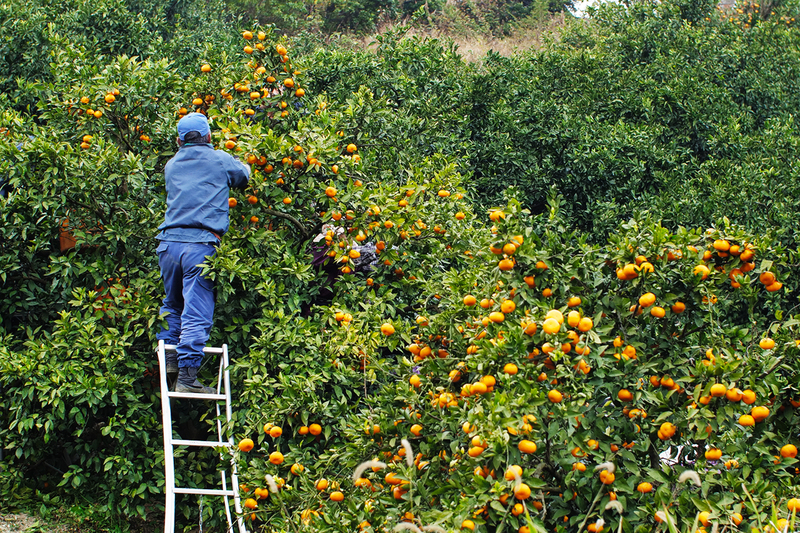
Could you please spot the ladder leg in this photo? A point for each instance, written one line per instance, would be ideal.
(237, 502)
(221, 438)
(169, 458)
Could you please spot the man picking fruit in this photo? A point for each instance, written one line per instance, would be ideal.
(198, 181)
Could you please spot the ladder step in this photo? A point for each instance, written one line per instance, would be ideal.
(205, 492)
(207, 349)
(209, 443)
(196, 396)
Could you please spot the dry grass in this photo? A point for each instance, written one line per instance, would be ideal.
(474, 47)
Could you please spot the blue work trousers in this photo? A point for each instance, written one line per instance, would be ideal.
(189, 299)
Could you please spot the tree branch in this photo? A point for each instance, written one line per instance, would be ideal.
(299, 225)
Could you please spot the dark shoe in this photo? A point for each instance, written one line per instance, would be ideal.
(187, 382)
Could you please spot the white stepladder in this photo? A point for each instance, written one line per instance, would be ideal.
(223, 394)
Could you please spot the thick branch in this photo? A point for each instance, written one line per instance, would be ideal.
(302, 229)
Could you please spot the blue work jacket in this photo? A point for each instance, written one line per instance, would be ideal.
(198, 180)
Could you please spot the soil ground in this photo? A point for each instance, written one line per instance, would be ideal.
(21, 523)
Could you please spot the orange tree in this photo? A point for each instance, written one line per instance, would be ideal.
(488, 347)
(486, 362)
(597, 374)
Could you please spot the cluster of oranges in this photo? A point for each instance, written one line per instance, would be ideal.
(95, 111)
(85, 108)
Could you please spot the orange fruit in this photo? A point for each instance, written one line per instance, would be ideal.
(585, 324)
(276, 458)
(718, 389)
(573, 319)
(330, 192)
(625, 395)
(508, 306)
(527, 446)
(387, 329)
(555, 396)
(475, 451)
(551, 326)
(496, 317)
(658, 312)
(767, 278)
(232, 202)
(713, 454)
(415, 381)
(721, 245)
(337, 496)
(678, 307)
(468, 524)
(321, 484)
(734, 395)
(766, 343)
(513, 472)
(606, 477)
(275, 432)
(774, 287)
(793, 505)
(789, 451)
(702, 271)
(644, 487)
(479, 388)
(666, 431)
(522, 491)
(315, 429)
(555, 314)
(469, 300)
(748, 397)
(416, 429)
(647, 299)
(759, 413)
(250, 503)
(510, 369)
(246, 445)
(505, 264)
(297, 469)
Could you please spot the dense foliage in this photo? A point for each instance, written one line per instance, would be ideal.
(637, 176)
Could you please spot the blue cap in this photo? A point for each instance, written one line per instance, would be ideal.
(193, 122)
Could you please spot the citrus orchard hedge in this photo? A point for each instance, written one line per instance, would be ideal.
(497, 369)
